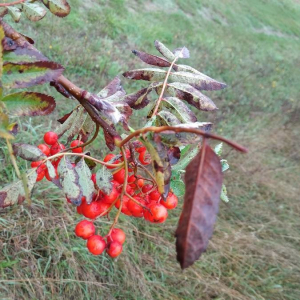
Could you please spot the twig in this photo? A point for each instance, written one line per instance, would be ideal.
(181, 129)
(11, 3)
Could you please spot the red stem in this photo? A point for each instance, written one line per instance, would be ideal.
(11, 3)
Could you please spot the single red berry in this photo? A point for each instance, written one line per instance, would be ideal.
(96, 244)
(136, 209)
(85, 229)
(114, 249)
(146, 188)
(117, 235)
(140, 182)
(154, 195)
(112, 196)
(77, 143)
(50, 138)
(140, 149)
(45, 149)
(145, 158)
(119, 176)
(94, 209)
(157, 214)
(131, 179)
(108, 159)
(40, 175)
(57, 148)
(171, 201)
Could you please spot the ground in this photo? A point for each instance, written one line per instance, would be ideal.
(253, 46)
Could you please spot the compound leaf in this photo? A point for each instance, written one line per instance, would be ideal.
(28, 152)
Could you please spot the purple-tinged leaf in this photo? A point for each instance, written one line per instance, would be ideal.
(109, 139)
(22, 55)
(151, 59)
(3, 11)
(166, 52)
(28, 152)
(64, 118)
(190, 95)
(182, 52)
(29, 104)
(203, 179)
(200, 82)
(165, 117)
(174, 155)
(112, 88)
(14, 193)
(29, 74)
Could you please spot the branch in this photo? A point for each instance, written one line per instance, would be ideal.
(79, 94)
(11, 3)
(182, 129)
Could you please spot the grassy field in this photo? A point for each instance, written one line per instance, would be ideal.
(253, 46)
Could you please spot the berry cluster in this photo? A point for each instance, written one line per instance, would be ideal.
(52, 147)
(129, 194)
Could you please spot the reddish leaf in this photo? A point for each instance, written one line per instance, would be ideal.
(151, 59)
(109, 139)
(112, 88)
(63, 119)
(203, 179)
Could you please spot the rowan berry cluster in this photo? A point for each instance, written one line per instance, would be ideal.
(139, 199)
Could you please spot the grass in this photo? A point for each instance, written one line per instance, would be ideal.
(255, 251)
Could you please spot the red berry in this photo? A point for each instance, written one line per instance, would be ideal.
(112, 196)
(157, 214)
(171, 201)
(79, 208)
(108, 159)
(39, 165)
(94, 209)
(96, 244)
(145, 158)
(114, 249)
(57, 148)
(50, 138)
(131, 179)
(140, 182)
(140, 149)
(136, 209)
(120, 176)
(146, 188)
(40, 175)
(45, 149)
(85, 229)
(154, 195)
(117, 235)
(124, 209)
(77, 143)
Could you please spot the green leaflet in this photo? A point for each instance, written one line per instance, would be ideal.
(28, 152)
(69, 180)
(103, 180)
(14, 192)
(29, 74)
(165, 117)
(29, 104)
(179, 109)
(51, 170)
(84, 180)
(166, 52)
(60, 8)
(33, 12)
(15, 13)
(178, 187)
(225, 165)
(218, 149)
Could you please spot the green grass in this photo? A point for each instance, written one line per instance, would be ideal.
(253, 46)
